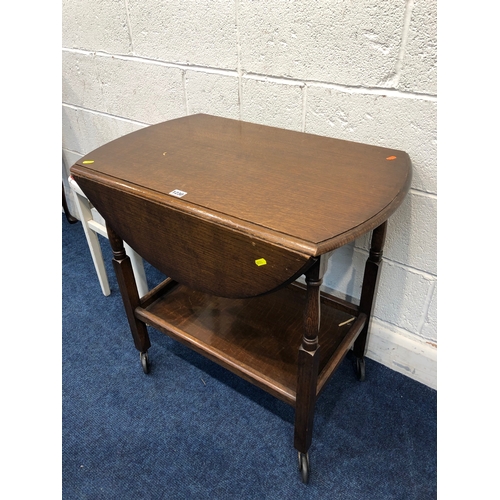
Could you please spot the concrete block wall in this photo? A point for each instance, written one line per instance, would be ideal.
(363, 71)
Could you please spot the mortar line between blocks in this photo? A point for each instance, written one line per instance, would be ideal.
(186, 107)
(404, 39)
(103, 113)
(386, 260)
(404, 332)
(392, 327)
(238, 55)
(304, 107)
(427, 304)
(129, 27)
(350, 89)
(146, 60)
(392, 80)
(72, 151)
(424, 194)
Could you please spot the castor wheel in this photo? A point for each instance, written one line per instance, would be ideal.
(360, 368)
(145, 362)
(304, 467)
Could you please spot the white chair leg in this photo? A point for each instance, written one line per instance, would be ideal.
(94, 224)
(138, 268)
(85, 214)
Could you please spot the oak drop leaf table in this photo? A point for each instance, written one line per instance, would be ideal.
(233, 213)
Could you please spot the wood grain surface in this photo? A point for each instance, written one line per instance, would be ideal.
(257, 338)
(197, 253)
(301, 191)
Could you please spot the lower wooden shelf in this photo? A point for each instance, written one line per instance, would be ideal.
(258, 338)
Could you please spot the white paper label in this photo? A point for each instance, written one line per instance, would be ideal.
(178, 193)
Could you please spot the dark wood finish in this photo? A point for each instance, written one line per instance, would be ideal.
(257, 339)
(308, 362)
(158, 291)
(199, 254)
(128, 290)
(341, 350)
(337, 302)
(262, 181)
(370, 283)
(248, 192)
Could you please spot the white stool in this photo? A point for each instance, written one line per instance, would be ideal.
(94, 224)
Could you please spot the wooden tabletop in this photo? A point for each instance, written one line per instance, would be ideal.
(304, 191)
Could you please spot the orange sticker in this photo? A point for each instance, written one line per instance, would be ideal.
(391, 158)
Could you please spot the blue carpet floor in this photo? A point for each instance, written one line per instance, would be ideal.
(192, 430)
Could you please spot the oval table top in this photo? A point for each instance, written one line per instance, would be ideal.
(300, 191)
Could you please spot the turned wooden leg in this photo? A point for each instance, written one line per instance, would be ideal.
(308, 362)
(128, 291)
(370, 281)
